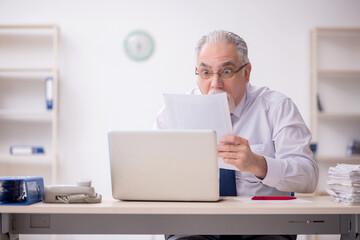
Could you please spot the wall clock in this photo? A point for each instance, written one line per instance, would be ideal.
(139, 45)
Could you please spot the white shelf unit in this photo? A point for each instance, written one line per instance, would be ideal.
(28, 55)
(335, 83)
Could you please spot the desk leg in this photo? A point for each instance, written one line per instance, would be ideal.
(351, 236)
(350, 225)
(5, 226)
(7, 236)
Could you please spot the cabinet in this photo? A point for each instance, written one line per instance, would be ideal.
(335, 86)
(29, 56)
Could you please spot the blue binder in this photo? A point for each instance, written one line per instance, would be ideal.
(49, 92)
(21, 190)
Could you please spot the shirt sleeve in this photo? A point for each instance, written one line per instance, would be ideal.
(293, 168)
(161, 121)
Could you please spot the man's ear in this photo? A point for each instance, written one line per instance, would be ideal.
(247, 72)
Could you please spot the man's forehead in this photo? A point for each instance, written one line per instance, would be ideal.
(224, 64)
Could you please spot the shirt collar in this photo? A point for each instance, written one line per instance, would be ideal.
(240, 107)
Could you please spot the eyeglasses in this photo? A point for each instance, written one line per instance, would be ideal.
(228, 72)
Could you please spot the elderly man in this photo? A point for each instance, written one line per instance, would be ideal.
(270, 145)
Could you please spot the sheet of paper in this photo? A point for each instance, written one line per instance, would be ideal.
(297, 200)
(200, 112)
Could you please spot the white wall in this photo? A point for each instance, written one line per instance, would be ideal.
(102, 89)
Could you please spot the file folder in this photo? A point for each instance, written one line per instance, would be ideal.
(26, 150)
(21, 190)
(49, 92)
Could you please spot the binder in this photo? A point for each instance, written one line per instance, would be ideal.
(21, 190)
(49, 92)
(26, 150)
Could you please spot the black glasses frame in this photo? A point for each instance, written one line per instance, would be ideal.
(219, 73)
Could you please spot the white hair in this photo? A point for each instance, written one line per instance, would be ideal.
(226, 38)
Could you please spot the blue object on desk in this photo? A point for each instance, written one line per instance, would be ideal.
(21, 190)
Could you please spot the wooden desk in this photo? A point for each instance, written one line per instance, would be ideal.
(228, 216)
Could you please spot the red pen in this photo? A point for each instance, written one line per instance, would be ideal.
(272, 198)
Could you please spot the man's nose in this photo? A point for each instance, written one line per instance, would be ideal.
(216, 81)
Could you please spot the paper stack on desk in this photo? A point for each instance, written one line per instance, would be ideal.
(344, 183)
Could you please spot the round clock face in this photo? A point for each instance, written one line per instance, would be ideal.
(139, 45)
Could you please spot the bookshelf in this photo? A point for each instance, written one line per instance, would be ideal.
(29, 55)
(335, 83)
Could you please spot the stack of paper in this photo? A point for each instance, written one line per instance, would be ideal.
(344, 183)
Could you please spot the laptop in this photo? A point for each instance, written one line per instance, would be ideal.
(164, 165)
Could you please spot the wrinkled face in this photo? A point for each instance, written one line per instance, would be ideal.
(223, 58)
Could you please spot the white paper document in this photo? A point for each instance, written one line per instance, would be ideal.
(200, 112)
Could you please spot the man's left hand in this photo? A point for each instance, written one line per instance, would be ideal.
(236, 151)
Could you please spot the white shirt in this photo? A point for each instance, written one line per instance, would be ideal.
(275, 129)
